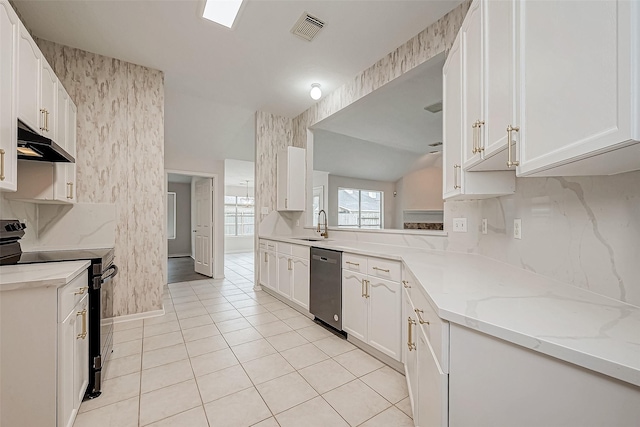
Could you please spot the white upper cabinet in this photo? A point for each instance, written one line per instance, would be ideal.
(29, 81)
(579, 92)
(70, 142)
(9, 29)
(498, 86)
(48, 101)
(472, 89)
(463, 117)
(291, 175)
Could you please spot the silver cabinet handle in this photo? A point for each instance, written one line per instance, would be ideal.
(455, 177)
(265, 257)
(479, 137)
(69, 190)
(420, 319)
(410, 343)
(381, 269)
(43, 126)
(82, 335)
(363, 283)
(367, 289)
(474, 133)
(289, 264)
(1, 164)
(46, 115)
(510, 161)
(352, 263)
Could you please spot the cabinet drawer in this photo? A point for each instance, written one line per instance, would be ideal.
(435, 329)
(283, 248)
(71, 294)
(300, 251)
(354, 262)
(385, 269)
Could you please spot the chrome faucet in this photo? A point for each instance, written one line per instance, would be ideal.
(324, 234)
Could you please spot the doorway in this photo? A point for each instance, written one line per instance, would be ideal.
(192, 210)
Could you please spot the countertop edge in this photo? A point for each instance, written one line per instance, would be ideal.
(56, 280)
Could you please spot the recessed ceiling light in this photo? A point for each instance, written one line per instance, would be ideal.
(224, 12)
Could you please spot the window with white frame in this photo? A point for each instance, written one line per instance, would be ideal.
(239, 216)
(360, 208)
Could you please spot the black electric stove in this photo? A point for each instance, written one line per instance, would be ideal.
(101, 271)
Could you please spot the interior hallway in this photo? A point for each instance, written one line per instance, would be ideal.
(181, 269)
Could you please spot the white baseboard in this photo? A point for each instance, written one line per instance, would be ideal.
(180, 256)
(139, 316)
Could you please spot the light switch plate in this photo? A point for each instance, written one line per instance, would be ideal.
(485, 225)
(460, 225)
(517, 228)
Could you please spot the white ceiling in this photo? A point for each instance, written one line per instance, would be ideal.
(386, 133)
(216, 78)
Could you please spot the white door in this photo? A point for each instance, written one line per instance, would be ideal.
(385, 308)
(29, 82)
(204, 226)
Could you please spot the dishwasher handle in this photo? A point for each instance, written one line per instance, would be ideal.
(324, 259)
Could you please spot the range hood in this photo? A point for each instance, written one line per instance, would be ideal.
(32, 146)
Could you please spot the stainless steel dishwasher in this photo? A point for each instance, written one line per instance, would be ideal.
(325, 294)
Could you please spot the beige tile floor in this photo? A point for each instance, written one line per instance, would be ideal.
(225, 355)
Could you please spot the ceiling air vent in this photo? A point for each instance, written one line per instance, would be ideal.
(434, 108)
(307, 27)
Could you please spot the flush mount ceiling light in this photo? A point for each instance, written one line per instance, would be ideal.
(315, 93)
(224, 12)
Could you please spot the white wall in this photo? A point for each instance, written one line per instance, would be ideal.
(362, 184)
(181, 245)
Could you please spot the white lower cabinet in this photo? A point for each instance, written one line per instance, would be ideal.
(300, 282)
(372, 306)
(354, 305)
(432, 403)
(73, 359)
(44, 354)
(284, 268)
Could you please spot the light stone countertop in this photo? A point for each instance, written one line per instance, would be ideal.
(527, 309)
(47, 274)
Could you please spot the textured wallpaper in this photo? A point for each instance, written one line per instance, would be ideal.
(120, 160)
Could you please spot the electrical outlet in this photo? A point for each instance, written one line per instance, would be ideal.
(484, 226)
(517, 228)
(460, 225)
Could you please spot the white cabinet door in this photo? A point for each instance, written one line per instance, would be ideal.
(272, 264)
(433, 385)
(385, 310)
(81, 351)
(499, 83)
(354, 305)
(66, 370)
(29, 81)
(264, 268)
(409, 334)
(578, 84)
(291, 177)
(472, 91)
(285, 270)
(48, 94)
(300, 291)
(452, 119)
(61, 125)
(9, 27)
(71, 169)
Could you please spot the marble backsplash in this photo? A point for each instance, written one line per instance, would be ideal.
(584, 231)
(120, 160)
